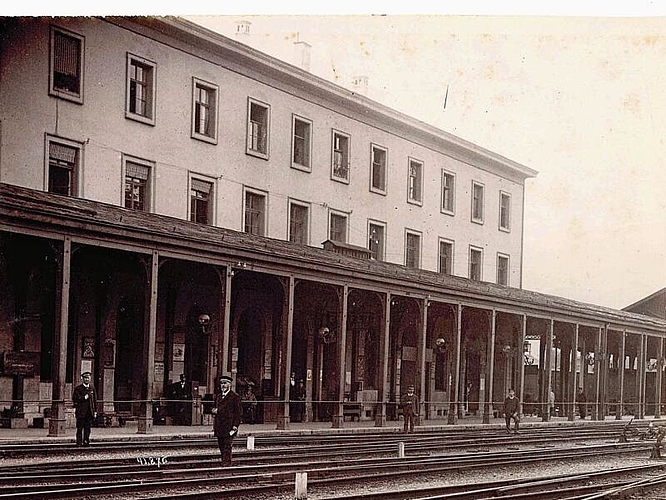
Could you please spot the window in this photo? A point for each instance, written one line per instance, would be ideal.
(298, 223)
(140, 90)
(415, 182)
(204, 111)
(376, 240)
(255, 213)
(448, 192)
(257, 129)
(66, 75)
(502, 269)
(201, 201)
(340, 155)
(63, 162)
(477, 202)
(505, 212)
(445, 256)
(378, 170)
(301, 144)
(337, 227)
(412, 249)
(137, 184)
(475, 263)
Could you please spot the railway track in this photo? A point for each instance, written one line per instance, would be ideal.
(587, 486)
(273, 472)
(451, 437)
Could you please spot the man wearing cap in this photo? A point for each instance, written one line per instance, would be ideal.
(228, 412)
(410, 409)
(85, 403)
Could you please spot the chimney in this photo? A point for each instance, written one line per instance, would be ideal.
(302, 53)
(360, 84)
(243, 28)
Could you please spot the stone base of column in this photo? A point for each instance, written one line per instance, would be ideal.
(144, 425)
(283, 423)
(338, 422)
(486, 417)
(545, 417)
(57, 427)
(618, 415)
(451, 417)
(380, 419)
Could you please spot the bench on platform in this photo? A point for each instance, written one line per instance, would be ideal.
(351, 410)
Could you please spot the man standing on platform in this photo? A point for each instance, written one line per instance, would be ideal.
(410, 409)
(511, 409)
(582, 403)
(228, 413)
(85, 402)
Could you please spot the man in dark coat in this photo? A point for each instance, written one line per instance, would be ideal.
(410, 409)
(85, 403)
(228, 412)
(582, 403)
(511, 411)
(182, 408)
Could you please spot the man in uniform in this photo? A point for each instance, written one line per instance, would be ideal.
(410, 409)
(85, 403)
(228, 413)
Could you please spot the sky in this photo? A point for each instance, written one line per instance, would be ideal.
(573, 93)
(580, 100)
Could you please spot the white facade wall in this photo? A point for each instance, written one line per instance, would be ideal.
(28, 113)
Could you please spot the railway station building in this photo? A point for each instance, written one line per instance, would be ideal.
(173, 201)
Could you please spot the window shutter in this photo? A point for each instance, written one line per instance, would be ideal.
(62, 153)
(66, 55)
(201, 186)
(137, 171)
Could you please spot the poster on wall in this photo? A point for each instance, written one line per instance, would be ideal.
(159, 371)
(88, 347)
(179, 352)
(86, 365)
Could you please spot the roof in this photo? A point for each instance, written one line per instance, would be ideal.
(31, 211)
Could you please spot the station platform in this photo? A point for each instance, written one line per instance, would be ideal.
(175, 432)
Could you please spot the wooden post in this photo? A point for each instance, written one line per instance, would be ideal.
(422, 364)
(548, 376)
(301, 486)
(145, 420)
(620, 373)
(284, 419)
(521, 364)
(490, 363)
(660, 367)
(454, 381)
(226, 334)
(574, 383)
(384, 342)
(338, 417)
(57, 420)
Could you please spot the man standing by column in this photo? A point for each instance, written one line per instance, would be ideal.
(228, 412)
(511, 407)
(85, 402)
(410, 407)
